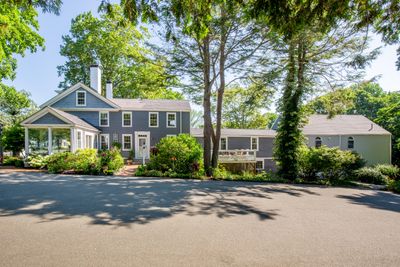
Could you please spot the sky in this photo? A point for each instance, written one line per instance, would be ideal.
(37, 72)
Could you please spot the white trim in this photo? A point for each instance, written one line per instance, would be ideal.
(220, 148)
(92, 139)
(123, 113)
(42, 113)
(171, 113)
(76, 98)
(123, 142)
(74, 88)
(170, 135)
(158, 118)
(107, 139)
(108, 118)
(262, 160)
(88, 109)
(77, 139)
(251, 143)
(147, 134)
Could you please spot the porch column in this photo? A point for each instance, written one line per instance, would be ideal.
(50, 141)
(26, 142)
(72, 137)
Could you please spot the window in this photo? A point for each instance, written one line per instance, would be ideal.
(171, 120)
(153, 119)
(79, 139)
(126, 142)
(171, 135)
(254, 143)
(318, 142)
(104, 141)
(259, 165)
(223, 143)
(126, 119)
(81, 98)
(89, 141)
(115, 137)
(350, 142)
(103, 116)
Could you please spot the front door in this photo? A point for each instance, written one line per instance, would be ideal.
(142, 145)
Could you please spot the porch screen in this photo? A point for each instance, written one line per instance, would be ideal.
(38, 141)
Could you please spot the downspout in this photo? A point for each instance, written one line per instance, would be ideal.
(180, 121)
(340, 141)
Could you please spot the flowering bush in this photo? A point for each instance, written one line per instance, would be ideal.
(111, 161)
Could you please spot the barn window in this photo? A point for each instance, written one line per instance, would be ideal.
(318, 142)
(350, 142)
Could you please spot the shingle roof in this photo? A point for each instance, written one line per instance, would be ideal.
(152, 105)
(74, 119)
(198, 132)
(343, 125)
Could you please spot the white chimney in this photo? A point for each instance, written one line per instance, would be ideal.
(109, 90)
(95, 77)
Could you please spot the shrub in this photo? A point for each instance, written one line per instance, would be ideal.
(394, 185)
(85, 161)
(180, 153)
(370, 175)
(60, 162)
(111, 161)
(331, 164)
(391, 171)
(38, 161)
(13, 161)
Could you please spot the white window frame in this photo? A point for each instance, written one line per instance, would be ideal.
(108, 118)
(251, 143)
(170, 135)
(123, 142)
(107, 138)
(262, 161)
(226, 142)
(76, 102)
(123, 119)
(79, 146)
(158, 118)
(171, 113)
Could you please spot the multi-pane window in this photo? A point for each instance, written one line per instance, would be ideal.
(126, 119)
(104, 141)
(153, 119)
(171, 120)
(79, 139)
(254, 143)
(81, 98)
(259, 165)
(350, 142)
(223, 144)
(126, 142)
(318, 142)
(104, 120)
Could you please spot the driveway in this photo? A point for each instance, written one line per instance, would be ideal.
(56, 220)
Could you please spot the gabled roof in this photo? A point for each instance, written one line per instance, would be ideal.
(152, 104)
(342, 125)
(74, 88)
(198, 132)
(64, 116)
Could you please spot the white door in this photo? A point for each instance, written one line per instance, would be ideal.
(142, 145)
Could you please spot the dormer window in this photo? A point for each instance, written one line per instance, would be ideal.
(318, 142)
(81, 98)
(350, 142)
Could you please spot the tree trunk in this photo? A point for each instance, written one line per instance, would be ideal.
(207, 130)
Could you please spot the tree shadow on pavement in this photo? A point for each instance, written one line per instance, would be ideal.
(377, 200)
(121, 201)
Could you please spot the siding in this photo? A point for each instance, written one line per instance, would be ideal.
(140, 122)
(48, 119)
(69, 101)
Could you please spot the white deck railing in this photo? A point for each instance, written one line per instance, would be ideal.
(237, 156)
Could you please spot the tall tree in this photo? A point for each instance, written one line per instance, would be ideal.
(134, 69)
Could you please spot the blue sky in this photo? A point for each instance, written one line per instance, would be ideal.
(37, 72)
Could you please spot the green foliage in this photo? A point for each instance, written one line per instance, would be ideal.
(13, 138)
(119, 46)
(394, 185)
(38, 161)
(13, 161)
(242, 108)
(331, 164)
(116, 144)
(181, 154)
(86, 161)
(111, 161)
(369, 175)
(391, 171)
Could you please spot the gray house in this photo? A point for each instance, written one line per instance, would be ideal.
(80, 117)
